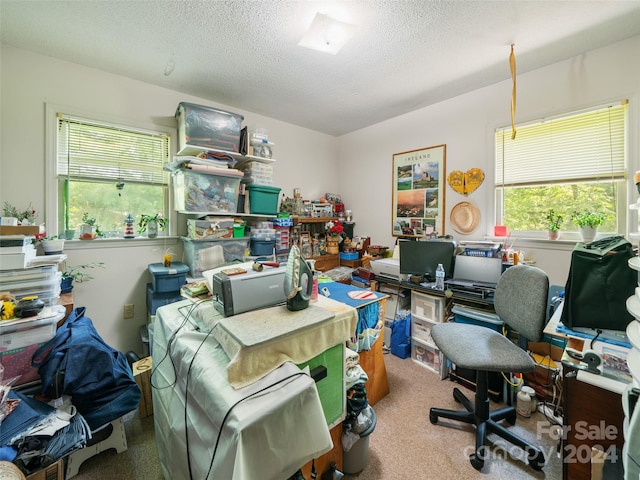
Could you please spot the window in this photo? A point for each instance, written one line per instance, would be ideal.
(108, 171)
(566, 163)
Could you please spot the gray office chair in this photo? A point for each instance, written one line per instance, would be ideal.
(520, 300)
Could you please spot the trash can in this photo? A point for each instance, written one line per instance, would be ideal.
(357, 457)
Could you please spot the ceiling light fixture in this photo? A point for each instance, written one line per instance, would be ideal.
(327, 34)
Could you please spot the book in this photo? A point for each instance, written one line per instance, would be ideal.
(16, 249)
(13, 261)
(15, 240)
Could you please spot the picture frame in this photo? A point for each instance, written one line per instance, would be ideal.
(419, 194)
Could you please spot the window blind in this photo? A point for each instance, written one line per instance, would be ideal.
(586, 146)
(93, 151)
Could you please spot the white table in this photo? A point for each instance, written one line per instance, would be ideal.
(266, 430)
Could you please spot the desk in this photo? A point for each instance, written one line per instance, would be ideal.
(592, 415)
(190, 404)
(372, 360)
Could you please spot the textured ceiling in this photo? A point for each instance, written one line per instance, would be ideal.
(405, 54)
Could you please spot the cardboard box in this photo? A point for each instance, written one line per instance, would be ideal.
(547, 358)
(55, 471)
(142, 375)
(21, 229)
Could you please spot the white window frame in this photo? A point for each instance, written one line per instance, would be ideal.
(52, 218)
(626, 195)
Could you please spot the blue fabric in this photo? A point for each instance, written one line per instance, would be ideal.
(77, 362)
(24, 416)
(368, 310)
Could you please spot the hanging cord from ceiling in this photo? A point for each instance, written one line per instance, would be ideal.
(512, 66)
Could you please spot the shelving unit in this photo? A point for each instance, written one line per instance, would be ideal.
(426, 311)
(323, 262)
(241, 160)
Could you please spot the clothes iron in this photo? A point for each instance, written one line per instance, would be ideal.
(298, 281)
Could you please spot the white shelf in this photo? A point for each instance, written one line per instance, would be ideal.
(228, 214)
(633, 334)
(633, 306)
(194, 150)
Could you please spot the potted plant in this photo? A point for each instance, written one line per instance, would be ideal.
(151, 223)
(26, 217)
(554, 222)
(588, 222)
(76, 273)
(88, 229)
(51, 245)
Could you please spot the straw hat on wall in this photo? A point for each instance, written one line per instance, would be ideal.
(465, 218)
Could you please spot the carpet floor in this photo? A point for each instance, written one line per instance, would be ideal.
(404, 444)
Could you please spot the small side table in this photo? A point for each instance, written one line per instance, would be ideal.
(66, 300)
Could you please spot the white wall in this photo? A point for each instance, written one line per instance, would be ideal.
(466, 124)
(305, 159)
(357, 165)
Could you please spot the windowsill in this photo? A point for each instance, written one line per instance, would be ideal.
(136, 242)
(539, 243)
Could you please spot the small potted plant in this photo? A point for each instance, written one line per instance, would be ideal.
(76, 273)
(51, 245)
(88, 229)
(554, 222)
(151, 223)
(588, 222)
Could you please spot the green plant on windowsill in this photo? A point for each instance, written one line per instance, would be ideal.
(586, 218)
(554, 220)
(146, 219)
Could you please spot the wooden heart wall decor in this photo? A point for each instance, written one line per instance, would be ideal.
(467, 182)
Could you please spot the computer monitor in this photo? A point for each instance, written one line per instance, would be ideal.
(419, 257)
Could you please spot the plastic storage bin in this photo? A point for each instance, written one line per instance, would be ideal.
(421, 330)
(427, 307)
(261, 246)
(203, 192)
(426, 355)
(168, 279)
(263, 199)
(156, 300)
(201, 255)
(210, 228)
(207, 127)
(477, 317)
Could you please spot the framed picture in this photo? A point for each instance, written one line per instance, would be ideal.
(419, 192)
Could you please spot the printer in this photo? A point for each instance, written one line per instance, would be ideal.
(234, 294)
(388, 268)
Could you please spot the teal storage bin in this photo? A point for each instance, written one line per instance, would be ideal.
(168, 279)
(476, 317)
(263, 199)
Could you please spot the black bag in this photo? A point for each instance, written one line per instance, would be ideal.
(77, 362)
(599, 283)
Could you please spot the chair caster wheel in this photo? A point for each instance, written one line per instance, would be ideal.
(433, 418)
(538, 461)
(476, 462)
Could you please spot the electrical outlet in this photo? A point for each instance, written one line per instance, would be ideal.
(128, 310)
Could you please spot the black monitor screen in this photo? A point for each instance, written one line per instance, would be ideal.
(423, 257)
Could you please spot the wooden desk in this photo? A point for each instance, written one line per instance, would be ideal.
(66, 300)
(592, 415)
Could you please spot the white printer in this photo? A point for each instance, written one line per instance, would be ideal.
(388, 268)
(234, 294)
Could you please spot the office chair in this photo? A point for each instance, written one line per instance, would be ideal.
(520, 300)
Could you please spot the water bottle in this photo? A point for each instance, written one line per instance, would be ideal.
(439, 277)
